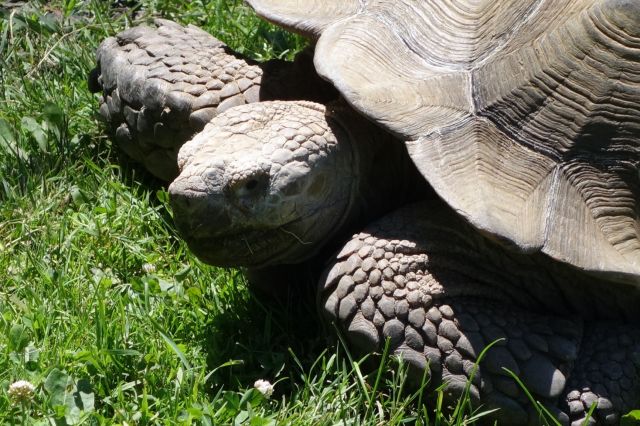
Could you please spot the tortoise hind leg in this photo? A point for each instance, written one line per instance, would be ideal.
(441, 293)
(607, 374)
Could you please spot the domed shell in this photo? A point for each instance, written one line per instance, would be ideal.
(524, 115)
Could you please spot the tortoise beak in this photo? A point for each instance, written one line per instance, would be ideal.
(197, 211)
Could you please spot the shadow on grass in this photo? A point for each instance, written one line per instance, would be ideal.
(272, 334)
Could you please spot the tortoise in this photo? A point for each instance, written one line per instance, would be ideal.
(523, 116)
(274, 183)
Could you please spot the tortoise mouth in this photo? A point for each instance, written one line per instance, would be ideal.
(251, 247)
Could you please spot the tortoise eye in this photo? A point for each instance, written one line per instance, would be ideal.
(250, 186)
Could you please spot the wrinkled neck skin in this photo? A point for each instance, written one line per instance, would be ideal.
(384, 175)
(381, 174)
(295, 80)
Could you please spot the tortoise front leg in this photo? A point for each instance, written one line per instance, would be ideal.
(606, 374)
(423, 279)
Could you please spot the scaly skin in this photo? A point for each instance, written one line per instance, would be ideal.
(272, 182)
(160, 86)
(442, 293)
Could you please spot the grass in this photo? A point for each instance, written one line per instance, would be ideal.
(102, 307)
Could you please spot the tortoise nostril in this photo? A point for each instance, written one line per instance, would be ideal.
(251, 184)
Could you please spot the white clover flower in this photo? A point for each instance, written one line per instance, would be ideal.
(149, 268)
(264, 387)
(21, 391)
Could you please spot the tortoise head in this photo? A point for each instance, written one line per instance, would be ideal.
(266, 183)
